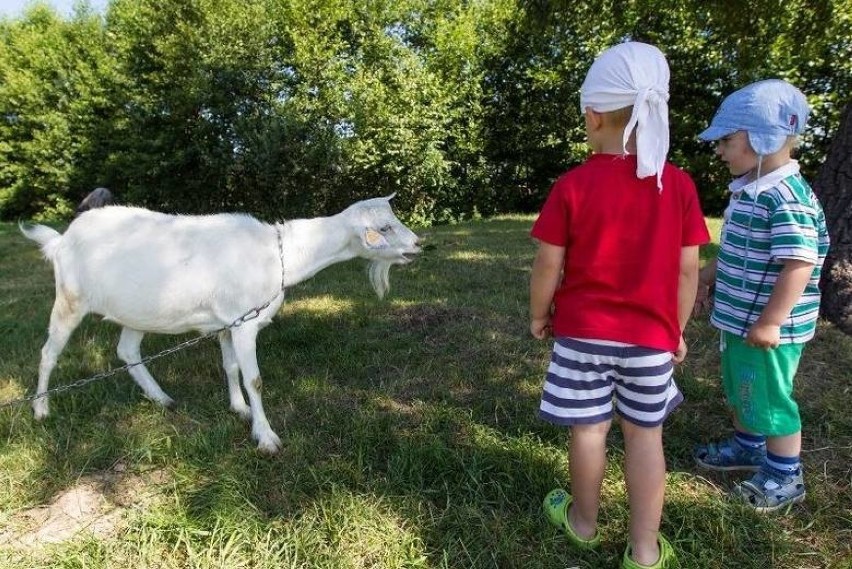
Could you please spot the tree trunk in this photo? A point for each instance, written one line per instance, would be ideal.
(833, 186)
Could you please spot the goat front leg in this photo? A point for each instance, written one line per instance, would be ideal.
(64, 318)
(232, 371)
(245, 346)
(128, 351)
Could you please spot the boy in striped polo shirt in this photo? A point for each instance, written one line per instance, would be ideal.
(614, 282)
(766, 303)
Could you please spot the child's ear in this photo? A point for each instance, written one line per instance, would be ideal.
(594, 120)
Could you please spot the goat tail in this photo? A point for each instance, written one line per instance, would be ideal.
(45, 236)
(379, 277)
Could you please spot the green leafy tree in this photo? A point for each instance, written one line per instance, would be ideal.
(56, 88)
(289, 108)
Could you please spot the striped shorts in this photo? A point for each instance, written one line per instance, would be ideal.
(584, 373)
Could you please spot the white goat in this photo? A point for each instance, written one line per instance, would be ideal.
(152, 272)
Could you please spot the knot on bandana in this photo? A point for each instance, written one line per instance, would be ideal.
(634, 74)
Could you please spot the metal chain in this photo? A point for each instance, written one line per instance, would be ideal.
(248, 316)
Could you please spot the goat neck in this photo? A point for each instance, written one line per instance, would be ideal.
(310, 245)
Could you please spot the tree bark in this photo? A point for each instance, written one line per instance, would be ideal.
(833, 187)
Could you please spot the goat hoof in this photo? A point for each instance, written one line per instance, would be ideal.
(243, 412)
(168, 403)
(40, 409)
(270, 445)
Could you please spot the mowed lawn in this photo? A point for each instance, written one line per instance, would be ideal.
(410, 433)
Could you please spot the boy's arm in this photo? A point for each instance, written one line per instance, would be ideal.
(687, 288)
(706, 281)
(707, 274)
(546, 272)
(791, 283)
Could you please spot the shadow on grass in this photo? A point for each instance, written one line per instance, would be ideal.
(412, 419)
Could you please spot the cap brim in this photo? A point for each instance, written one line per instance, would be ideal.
(716, 132)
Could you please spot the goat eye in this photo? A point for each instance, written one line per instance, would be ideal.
(385, 229)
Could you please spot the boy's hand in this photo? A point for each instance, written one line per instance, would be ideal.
(680, 353)
(762, 335)
(704, 294)
(788, 289)
(540, 328)
(703, 300)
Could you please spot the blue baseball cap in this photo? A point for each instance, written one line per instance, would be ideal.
(769, 111)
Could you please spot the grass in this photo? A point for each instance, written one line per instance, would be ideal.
(409, 428)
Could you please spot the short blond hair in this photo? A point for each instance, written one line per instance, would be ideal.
(617, 118)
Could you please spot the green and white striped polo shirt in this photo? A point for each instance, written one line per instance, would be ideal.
(776, 218)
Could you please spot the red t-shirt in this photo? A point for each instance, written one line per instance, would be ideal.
(622, 240)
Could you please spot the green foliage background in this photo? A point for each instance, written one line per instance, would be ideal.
(293, 108)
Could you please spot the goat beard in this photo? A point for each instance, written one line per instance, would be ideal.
(379, 271)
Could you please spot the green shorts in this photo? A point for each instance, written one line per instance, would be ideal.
(759, 385)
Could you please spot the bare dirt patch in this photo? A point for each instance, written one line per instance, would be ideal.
(96, 506)
(426, 318)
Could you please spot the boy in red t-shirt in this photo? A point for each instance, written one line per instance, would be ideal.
(614, 282)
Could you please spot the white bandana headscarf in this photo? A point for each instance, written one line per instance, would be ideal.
(635, 74)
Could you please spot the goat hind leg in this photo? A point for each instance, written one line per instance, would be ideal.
(245, 345)
(232, 371)
(128, 351)
(64, 318)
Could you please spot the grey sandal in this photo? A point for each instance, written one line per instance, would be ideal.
(768, 491)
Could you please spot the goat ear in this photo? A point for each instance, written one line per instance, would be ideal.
(390, 197)
(372, 239)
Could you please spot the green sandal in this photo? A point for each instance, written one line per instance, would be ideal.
(556, 509)
(667, 557)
